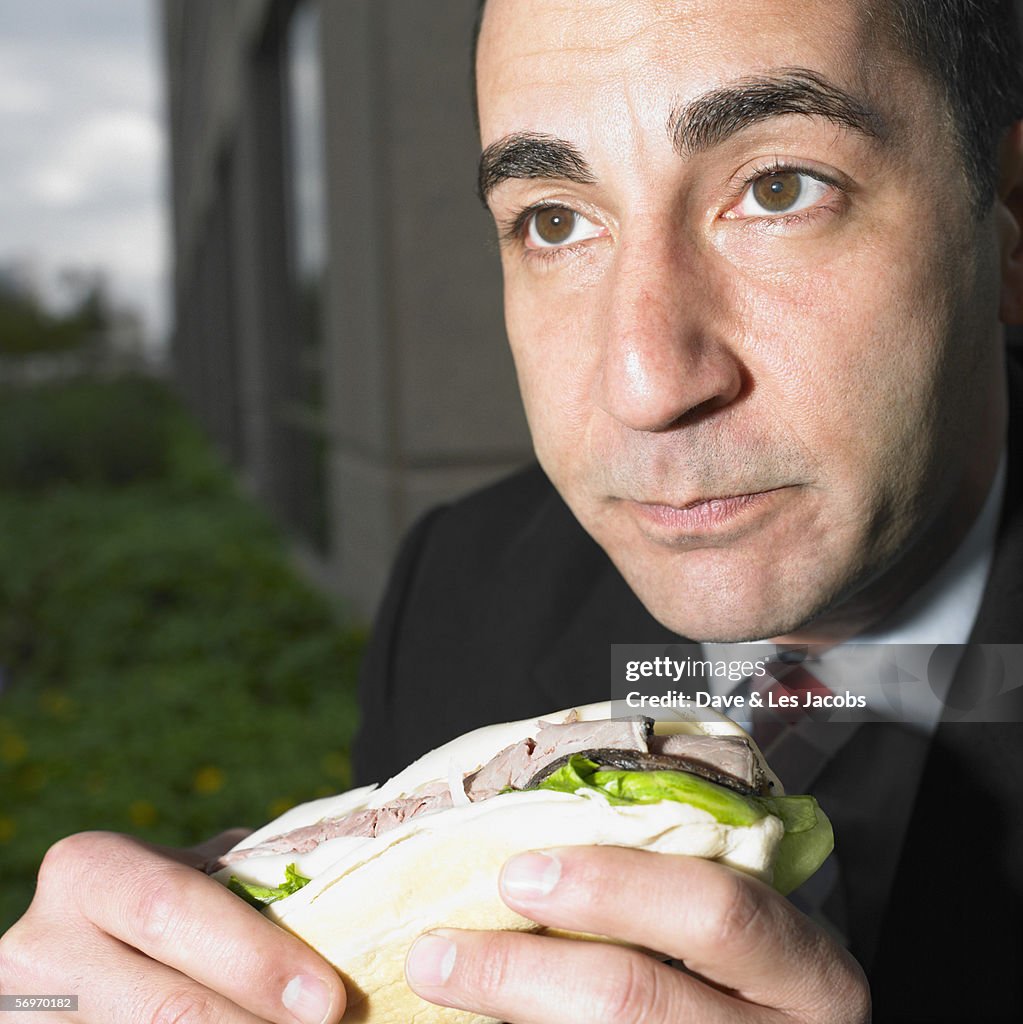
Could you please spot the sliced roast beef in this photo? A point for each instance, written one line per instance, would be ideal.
(370, 822)
(516, 765)
(500, 771)
(615, 743)
(725, 755)
(609, 733)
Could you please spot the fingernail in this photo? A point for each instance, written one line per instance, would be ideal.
(530, 875)
(307, 998)
(430, 961)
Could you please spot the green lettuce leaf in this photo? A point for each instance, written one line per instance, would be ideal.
(807, 841)
(260, 895)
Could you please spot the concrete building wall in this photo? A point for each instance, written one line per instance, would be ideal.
(406, 396)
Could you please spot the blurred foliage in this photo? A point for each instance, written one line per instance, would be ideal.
(164, 669)
(27, 327)
(97, 432)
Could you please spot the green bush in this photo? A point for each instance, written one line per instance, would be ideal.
(28, 327)
(89, 432)
(164, 669)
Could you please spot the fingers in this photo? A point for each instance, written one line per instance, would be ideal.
(179, 917)
(114, 985)
(749, 954)
(727, 927)
(533, 980)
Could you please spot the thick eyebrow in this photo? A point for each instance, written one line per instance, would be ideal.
(530, 155)
(693, 127)
(716, 116)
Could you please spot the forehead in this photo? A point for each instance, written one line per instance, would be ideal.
(551, 64)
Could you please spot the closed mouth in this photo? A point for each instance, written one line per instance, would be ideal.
(702, 515)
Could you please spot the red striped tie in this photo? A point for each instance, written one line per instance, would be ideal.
(788, 679)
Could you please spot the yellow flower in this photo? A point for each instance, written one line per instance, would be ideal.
(56, 703)
(208, 779)
(335, 765)
(142, 813)
(12, 748)
(277, 807)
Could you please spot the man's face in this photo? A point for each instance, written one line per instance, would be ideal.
(751, 308)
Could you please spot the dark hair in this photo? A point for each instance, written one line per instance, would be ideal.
(972, 49)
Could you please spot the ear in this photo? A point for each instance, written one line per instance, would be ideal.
(1009, 214)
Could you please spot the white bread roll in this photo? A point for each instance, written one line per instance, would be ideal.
(370, 898)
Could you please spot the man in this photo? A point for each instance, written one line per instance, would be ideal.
(754, 265)
(755, 255)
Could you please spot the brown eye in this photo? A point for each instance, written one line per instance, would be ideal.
(777, 193)
(553, 224)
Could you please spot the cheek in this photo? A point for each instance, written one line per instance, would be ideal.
(853, 361)
(555, 362)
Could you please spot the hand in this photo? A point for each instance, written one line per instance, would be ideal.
(749, 955)
(140, 935)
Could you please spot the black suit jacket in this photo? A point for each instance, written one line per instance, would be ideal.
(501, 607)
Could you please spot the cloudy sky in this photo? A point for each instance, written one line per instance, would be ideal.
(82, 176)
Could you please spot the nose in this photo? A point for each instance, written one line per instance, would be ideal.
(666, 359)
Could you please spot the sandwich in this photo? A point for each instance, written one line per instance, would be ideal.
(361, 875)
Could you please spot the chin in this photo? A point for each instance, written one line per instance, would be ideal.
(716, 612)
(715, 629)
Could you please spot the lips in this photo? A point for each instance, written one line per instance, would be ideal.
(703, 515)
